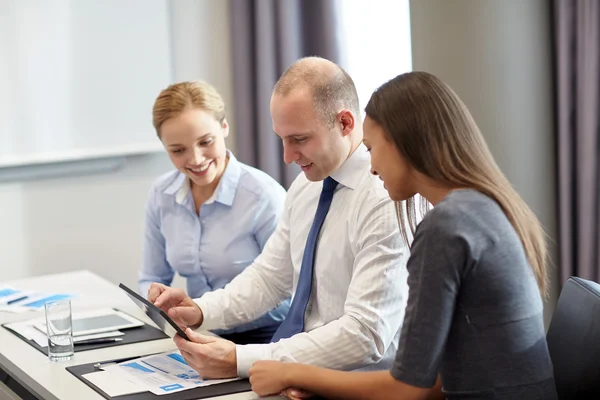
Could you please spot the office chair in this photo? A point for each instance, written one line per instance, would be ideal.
(574, 340)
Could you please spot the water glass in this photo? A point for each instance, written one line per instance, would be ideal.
(59, 328)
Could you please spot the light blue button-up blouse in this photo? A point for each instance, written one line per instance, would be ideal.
(210, 248)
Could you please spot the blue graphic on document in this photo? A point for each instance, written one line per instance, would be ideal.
(177, 357)
(7, 292)
(172, 387)
(138, 367)
(41, 302)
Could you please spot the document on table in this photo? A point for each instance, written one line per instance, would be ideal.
(9, 295)
(161, 373)
(112, 384)
(16, 300)
(10, 299)
(28, 330)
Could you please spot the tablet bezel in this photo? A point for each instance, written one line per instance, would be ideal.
(158, 316)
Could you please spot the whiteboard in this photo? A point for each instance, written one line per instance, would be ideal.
(78, 78)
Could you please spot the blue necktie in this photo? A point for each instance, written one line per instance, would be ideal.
(294, 322)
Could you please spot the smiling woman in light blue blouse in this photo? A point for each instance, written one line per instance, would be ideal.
(210, 218)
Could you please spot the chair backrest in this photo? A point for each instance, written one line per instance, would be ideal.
(574, 340)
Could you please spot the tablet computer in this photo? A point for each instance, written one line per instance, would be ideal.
(98, 321)
(158, 316)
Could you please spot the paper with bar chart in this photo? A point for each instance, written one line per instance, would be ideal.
(161, 373)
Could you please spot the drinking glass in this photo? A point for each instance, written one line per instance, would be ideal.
(59, 328)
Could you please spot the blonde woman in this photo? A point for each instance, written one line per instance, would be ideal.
(473, 327)
(211, 217)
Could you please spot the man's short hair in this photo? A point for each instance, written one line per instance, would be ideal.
(331, 87)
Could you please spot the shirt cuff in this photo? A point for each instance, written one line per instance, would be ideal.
(211, 320)
(143, 289)
(248, 354)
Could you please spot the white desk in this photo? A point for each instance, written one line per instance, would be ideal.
(51, 381)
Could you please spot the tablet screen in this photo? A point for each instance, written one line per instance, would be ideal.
(100, 322)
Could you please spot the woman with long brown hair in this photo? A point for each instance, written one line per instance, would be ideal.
(473, 327)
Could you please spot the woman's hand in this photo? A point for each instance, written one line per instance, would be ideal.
(269, 377)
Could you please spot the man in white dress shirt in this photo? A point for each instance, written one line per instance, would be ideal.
(356, 294)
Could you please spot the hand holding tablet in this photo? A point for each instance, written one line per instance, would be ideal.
(158, 316)
(177, 304)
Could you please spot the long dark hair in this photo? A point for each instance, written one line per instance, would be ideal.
(435, 132)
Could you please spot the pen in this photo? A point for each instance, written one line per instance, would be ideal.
(98, 341)
(102, 364)
(17, 299)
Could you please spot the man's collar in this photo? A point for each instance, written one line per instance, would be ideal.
(350, 172)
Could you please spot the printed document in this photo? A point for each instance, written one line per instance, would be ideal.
(161, 373)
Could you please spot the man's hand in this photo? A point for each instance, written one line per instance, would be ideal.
(269, 377)
(211, 356)
(179, 306)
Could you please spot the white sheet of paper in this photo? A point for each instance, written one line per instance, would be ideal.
(14, 309)
(98, 336)
(111, 384)
(36, 300)
(26, 329)
(13, 298)
(162, 373)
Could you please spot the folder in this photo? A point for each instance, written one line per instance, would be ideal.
(190, 394)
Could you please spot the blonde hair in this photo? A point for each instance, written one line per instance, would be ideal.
(435, 132)
(183, 96)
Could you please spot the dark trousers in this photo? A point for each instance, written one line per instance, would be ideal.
(254, 336)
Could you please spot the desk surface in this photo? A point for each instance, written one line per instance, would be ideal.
(51, 381)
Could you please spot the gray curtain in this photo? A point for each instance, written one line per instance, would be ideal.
(577, 58)
(267, 36)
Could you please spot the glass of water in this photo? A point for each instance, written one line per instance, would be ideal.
(59, 327)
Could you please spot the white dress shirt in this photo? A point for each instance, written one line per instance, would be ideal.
(359, 289)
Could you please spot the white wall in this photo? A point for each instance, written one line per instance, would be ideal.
(95, 222)
(65, 79)
(497, 56)
(201, 47)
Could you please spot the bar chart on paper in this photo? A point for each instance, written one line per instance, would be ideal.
(17, 300)
(162, 373)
